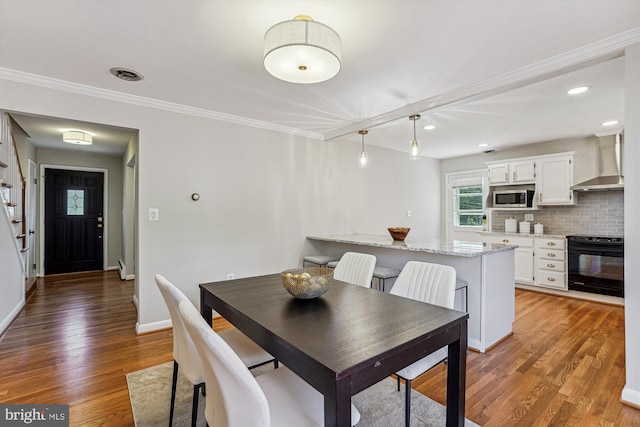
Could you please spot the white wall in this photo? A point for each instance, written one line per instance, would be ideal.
(261, 192)
(631, 391)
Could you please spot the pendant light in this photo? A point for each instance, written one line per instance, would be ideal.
(363, 154)
(415, 145)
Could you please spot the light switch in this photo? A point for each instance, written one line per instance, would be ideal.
(528, 217)
(154, 214)
(408, 213)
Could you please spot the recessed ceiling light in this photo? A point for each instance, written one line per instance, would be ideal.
(579, 89)
(483, 145)
(429, 127)
(609, 123)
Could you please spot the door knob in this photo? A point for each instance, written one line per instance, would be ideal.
(32, 231)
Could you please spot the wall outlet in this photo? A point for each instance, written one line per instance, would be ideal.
(231, 276)
(528, 217)
(154, 214)
(408, 213)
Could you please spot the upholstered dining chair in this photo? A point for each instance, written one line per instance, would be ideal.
(236, 398)
(185, 355)
(434, 284)
(355, 268)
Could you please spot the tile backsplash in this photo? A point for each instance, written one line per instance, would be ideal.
(596, 214)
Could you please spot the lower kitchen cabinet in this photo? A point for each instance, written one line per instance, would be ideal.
(551, 263)
(524, 255)
(539, 261)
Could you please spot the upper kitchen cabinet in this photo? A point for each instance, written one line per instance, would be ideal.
(555, 179)
(510, 173)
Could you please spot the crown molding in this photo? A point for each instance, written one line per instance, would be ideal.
(110, 95)
(599, 51)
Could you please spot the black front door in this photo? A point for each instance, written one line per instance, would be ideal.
(74, 222)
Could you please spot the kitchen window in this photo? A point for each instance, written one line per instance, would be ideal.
(467, 206)
(465, 196)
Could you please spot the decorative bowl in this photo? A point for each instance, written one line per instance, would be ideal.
(398, 233)
(307, 283)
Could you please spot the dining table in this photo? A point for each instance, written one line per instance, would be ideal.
(346, 340)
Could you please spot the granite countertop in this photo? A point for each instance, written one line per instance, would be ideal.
(434, 246)
(502, 233)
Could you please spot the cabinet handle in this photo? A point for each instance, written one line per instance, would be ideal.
(505, 241)
(506, 176)
(551, 255)
(551, 279)
(551, 265)
(539, 197)
(551, 243)
(515, 176)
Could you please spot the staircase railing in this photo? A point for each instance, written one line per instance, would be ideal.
(12, 184)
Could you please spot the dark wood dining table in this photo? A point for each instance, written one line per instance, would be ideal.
(346, 340)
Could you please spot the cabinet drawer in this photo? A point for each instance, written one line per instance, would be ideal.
(551, 243)
(551, 279)
(551, 254)
(525, 242)
(551, 265)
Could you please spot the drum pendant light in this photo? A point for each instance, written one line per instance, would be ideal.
(302, 51)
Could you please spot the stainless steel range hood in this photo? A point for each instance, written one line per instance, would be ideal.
(611, 175)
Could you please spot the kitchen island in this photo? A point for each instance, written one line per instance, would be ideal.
(488, 269)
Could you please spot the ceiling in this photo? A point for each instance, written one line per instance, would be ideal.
(487, 71)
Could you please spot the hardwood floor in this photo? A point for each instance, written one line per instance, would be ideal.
(75, 341)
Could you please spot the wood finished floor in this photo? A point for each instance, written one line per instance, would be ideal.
(75, 341)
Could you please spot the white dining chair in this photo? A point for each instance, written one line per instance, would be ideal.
(434, 284)
(277, 398)
(355, 268)
(185, 355)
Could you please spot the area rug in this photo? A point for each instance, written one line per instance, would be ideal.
(380, 405)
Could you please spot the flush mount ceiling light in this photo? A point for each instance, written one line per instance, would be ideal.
(415, 145)
(429, 127)
(609, 123)
(77, 137)
(364, 159)
(302, 51)
(126, 74)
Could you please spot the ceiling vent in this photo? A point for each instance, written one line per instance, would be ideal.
(126, 74)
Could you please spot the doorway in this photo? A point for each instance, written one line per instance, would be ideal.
(74, 221)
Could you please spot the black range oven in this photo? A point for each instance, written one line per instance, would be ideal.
(596, 264)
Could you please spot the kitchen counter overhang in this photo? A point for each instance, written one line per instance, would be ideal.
(433, 246)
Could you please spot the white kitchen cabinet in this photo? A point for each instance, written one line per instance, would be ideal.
(555, 178)
(508, 173)
(524, 255)
(551, 263)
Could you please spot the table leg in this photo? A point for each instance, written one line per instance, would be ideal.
(337, 405)
(456, 379)
(205, 310)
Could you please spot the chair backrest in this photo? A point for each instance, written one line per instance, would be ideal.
(427, 282)
(184, 351)
(355, 268)
(234, 397)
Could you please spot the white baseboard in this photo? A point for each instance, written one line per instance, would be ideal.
(4, 323)
(130, 277)
(630, 397)
(112, 267)
(135, 302)
(151, 327)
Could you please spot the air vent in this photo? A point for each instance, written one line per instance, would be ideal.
(126, 74)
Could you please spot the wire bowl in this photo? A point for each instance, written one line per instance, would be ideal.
(307, 283)
(399, 233)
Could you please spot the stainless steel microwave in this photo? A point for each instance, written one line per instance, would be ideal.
(513, 199)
